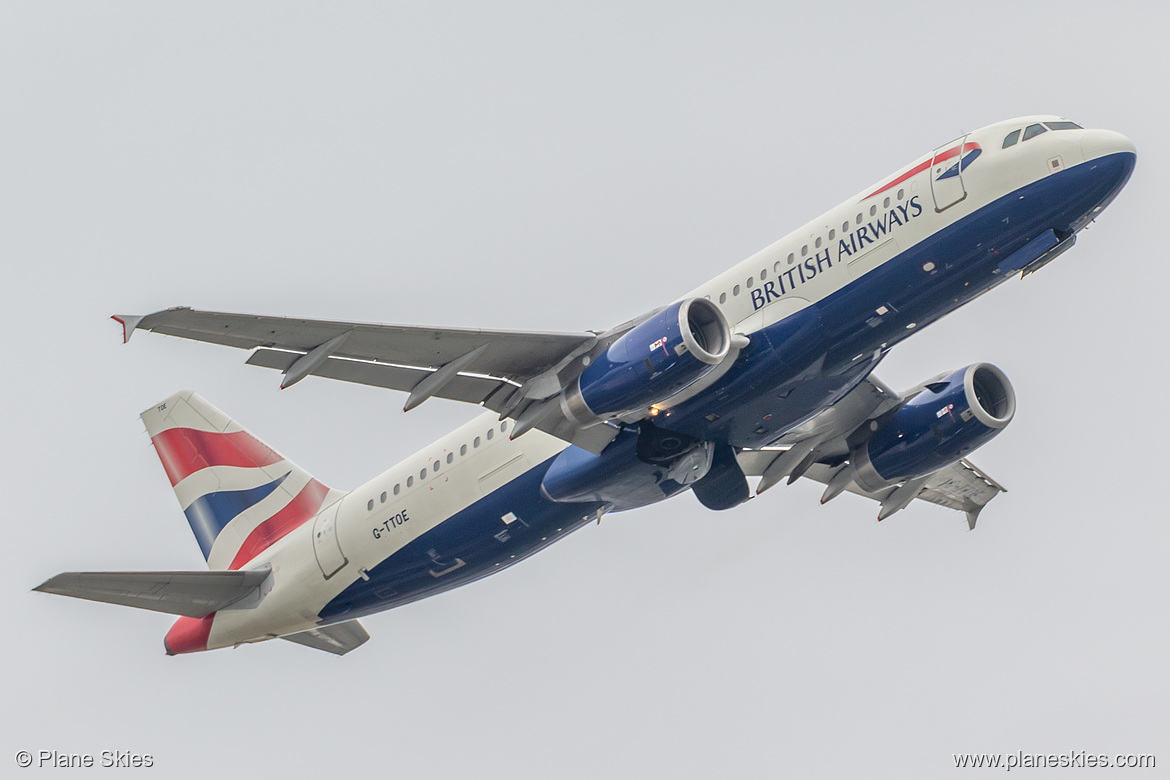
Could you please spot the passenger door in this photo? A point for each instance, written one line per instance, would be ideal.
(946, 175)
(326, 545)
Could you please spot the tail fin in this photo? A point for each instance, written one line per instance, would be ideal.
(239, 495)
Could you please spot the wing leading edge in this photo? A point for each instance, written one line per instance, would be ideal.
(509, 372)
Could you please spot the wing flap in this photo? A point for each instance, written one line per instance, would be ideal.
(192, 593)
(472, 389)
(960, 486)
(339, 638)
(490, 392)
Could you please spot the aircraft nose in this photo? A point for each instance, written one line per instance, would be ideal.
(1102, 143)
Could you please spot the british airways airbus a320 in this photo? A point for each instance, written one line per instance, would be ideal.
(764, 371)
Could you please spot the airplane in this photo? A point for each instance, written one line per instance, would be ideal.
(764, 372)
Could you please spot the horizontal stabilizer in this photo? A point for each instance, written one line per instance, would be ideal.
(338, 639)
(192, 593)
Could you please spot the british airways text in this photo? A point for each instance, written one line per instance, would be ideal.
(851, 244)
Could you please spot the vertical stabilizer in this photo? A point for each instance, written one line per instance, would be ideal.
(239, 495)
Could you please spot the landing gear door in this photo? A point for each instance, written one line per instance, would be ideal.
(946, 175)
(326, 545)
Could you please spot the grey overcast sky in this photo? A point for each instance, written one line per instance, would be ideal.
(561, 167)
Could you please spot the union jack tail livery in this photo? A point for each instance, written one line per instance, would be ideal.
(239, 495)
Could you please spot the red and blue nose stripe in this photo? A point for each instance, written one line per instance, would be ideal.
(969, 151)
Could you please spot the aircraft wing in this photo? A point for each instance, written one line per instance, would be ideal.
(509, 354)
(192, 593)
(818, 450)
(960, 486)
(506, 371)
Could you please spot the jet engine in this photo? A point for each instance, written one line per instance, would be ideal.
(948, 419)
(652, 362)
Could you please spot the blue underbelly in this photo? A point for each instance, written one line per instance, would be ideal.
(467, 546)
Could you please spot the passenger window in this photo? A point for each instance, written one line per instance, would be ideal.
(845, 226)
(409, 481)
(804, 250)
(776, 268)
(735, 290)
(818, 243)
(859, 218)
(383, 497)
(791, 258)
(723, 297)
(370, 506)
(832, 234)
(750, 282)
(491, 434)
(450, 457)
(462, 450)
(422, 474)
(873, 210)
(504, 427)
(901, 194)
(763, 274)
(1063, 126)
(1034, 130)
(886, 203)
(435, 467)
(1011, 139)
(397, 489)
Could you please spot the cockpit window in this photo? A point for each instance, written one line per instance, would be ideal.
(1063, 126)
(1034, 130)
(1011, 139)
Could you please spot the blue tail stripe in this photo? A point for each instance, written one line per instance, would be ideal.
(210, 514)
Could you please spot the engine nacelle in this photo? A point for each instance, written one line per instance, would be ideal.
(950, 418)
(652, 362)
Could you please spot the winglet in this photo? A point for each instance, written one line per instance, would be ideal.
(128, 322)
(973, 515)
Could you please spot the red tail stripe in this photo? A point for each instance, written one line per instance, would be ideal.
(183, 451)
(300, 509)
